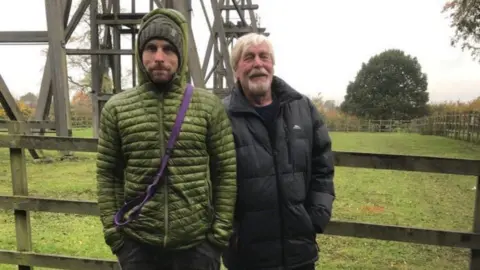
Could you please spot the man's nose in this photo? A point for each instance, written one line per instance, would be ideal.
(257, 61)
(159, 56)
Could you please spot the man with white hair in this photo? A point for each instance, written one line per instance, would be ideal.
(285, 166)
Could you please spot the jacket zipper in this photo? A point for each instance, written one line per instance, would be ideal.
(162, 150)
(279, 191)
(166, 213)
(280, 209)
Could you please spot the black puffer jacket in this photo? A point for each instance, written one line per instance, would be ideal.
(285, 182)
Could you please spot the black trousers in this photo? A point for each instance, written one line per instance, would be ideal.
(305, 267)
(138, 256)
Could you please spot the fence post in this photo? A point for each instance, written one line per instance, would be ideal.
(475, 253)
(20, 188)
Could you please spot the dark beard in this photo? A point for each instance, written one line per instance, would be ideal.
(163, 85)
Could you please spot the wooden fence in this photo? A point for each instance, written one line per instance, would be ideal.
(81, 121)
(77, 120)
(358, 125)
(21, 203)
(460, 126)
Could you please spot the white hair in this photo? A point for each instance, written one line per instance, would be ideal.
(244, 42)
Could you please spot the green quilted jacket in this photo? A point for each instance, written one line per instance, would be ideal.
(198, 201)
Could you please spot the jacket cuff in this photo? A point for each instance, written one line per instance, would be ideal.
(114, 239)
(322, 199)
(320, 219)
(320, 210)
(220, 244)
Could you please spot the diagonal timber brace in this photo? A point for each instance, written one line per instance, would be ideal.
(11, 109)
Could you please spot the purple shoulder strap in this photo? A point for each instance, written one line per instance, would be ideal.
(136, 204)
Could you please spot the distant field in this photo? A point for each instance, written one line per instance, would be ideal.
(424, 200)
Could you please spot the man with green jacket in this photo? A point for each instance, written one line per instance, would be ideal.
(188, 220)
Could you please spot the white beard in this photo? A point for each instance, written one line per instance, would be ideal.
(259, 88)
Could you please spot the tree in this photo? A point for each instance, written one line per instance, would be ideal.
(458, 106)
(465, 19)
(29, 99)
(390, 86)
(3, 114)
(318, 100)
(329, 105)
(81, 107)
(81, 99)
(25, 109)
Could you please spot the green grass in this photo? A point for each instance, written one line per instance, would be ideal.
(423, 200)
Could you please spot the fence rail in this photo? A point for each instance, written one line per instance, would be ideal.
(22, 203)
(350, 124)
(48, 126)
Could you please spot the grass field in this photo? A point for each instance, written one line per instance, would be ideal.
(377, 196)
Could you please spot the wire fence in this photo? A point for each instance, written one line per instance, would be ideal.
(460, 126)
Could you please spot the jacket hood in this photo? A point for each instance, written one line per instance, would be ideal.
(180, 78)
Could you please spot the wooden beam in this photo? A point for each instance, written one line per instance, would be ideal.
(344, 159)
(408, 163)
(120, 16)
(13, 111)
(23, 37)
(340, 228)
(88, 208)
(76, 18)
(116, 64)
(56, 261)
(475, 253)
(55, 10)
(44, 101)
(33, 124)
(8, 102)
(59, 143)
(18, 167)
(96, 69)
(242, 7)
(45, 96)
(99, 52)
(404, 234)
(220, 31)
(193, 61)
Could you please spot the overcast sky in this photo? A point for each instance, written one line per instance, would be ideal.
(347, 33)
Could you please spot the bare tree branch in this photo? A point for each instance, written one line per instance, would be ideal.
(72, 81)
(465, 19)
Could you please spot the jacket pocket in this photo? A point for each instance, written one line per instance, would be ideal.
(299, 221)
(209, 191)
(308, 220)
